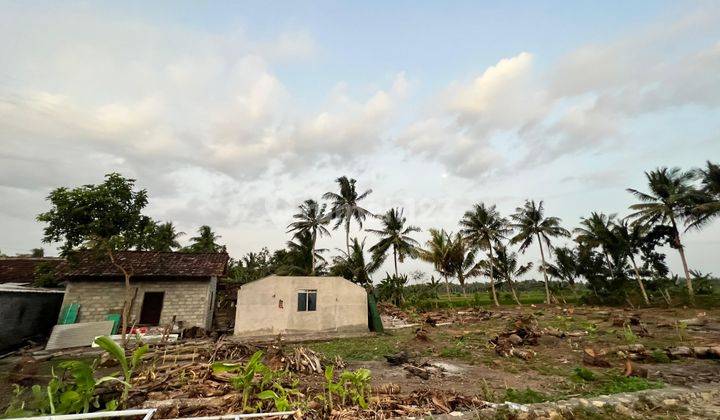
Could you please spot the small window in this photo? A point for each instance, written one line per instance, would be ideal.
(307, 300)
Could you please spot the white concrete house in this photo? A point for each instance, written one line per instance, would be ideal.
(298, 305)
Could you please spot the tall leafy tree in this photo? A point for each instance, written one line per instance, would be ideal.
(354, 266)
(99, 218)
(506, 267)
(437, 252)
(346, 207)
(708, 206)
(669, 201)
(483, 227)
(461, 259)
(630, 237)
(596, 231)
(311, 219)
(396, 235)
(531, 224)
(302, 257)
(206, 241)
(165, 238)
(391, 288)
(565, 266)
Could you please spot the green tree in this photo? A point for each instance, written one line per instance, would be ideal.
(311, 219)
(565, 266)
(670, 200)
(596, 231)
(391, 288)
(436, 252)
(461, 259)
(206, 241)
(346, 207)
(708, 207)
(353, 265)
(506, 267)
(631, 238)
(394, 234)
(164, 238)
(302, 257)
(483, 226)
(99, 218)
(531, 224)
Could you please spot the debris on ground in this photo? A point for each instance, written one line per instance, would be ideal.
(594, 357)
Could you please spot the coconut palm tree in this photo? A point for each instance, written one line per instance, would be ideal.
(670, 200)
(631, 238)
(531, 224)
(506, 267)
(482, 227)
(165, 238)
(565, 267)
(596, 231)
(461, 259)
(310, 219)
(353, 265)
(302, 256)
(345, 206)
(395, 234)
(436, 252)
(709, 206)
(205, 241)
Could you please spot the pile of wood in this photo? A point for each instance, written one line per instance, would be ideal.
(524, 332)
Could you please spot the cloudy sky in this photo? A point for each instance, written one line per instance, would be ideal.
(230, 114)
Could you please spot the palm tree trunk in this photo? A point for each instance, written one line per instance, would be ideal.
(492, 278)
(347, 237)
(542, 257)
(312, 253)
(512, 289)
(447, 286)
(395, 259)
(639, 280)
(681, 250)
(610, 266)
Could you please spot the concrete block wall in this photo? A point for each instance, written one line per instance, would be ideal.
(189, 301)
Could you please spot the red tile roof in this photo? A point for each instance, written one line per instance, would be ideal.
(21, 269)
(147, 264)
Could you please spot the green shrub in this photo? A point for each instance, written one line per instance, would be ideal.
(584, 374)
(526, 396)
(659, 356)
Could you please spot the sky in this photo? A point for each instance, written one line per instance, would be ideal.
(232, 113)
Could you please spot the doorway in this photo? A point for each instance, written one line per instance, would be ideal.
(151, 308)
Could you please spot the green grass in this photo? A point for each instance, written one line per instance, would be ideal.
(483, 299)
(525, 396)
(360, 348)
(458, 351)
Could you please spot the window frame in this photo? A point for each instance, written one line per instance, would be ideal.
(304, 303)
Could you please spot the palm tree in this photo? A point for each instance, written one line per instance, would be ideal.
(302, 256)
(565, 267)
(165, 238)
(312, 220)
(631, 238)
(345, 206)
(205, 241)
(461, 259)
(505, 265)
(436, 252)
(669, 201)
(353, 266)
(596, 231)
(394, 234)
(531, 224)
(483, 226)
(709, 206)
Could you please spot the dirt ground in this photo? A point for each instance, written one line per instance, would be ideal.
(455, 350)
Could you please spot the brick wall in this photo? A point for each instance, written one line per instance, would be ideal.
(189, 301)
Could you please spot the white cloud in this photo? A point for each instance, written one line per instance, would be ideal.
(583, 102)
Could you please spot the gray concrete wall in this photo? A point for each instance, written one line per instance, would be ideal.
(188, 300)
(25, 315)
(341, 306)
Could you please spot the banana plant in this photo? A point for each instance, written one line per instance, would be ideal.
(127, 364)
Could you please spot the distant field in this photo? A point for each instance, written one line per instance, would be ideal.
(483, 299)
